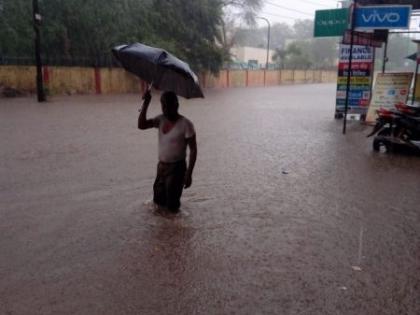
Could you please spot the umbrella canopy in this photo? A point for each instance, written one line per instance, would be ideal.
(158, 67)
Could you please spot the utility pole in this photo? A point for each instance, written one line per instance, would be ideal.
(268, 39)
(385, 59)
(37, 23)
(349, 71)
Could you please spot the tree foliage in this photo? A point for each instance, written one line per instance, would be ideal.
(77, 29)
(293, 45)
(16, 30)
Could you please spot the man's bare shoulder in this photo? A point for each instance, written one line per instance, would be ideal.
(186, 119)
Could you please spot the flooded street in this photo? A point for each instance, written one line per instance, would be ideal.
(285, 215)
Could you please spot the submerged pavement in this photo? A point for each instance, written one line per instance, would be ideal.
(285, 215)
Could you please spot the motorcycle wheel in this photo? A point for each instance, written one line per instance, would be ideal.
(378, 144)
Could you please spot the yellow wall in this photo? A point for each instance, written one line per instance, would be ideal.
(21, 78)
(237, 78)
(328, 76)
(287, 76)
(299, 76)
(255, 77)
(272, 77)
(71, 80)
(79, 80)
(212, 81)
(117, 80)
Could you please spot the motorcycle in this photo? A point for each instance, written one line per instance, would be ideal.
(397, 129)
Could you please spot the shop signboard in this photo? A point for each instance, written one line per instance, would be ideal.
(383, 17)
(389, 89)
(360, 80)
(331, 22)
(361, 38)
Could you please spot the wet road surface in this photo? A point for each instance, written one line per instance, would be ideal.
(285, 216)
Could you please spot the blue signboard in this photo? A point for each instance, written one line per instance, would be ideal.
(383, 17)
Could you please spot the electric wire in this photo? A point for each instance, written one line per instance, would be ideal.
(316, 3)
(281, 16)
(286, 8)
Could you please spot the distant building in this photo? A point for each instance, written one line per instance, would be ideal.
(251, 55)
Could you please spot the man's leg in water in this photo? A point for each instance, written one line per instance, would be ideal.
(175, 185)
(159, 187)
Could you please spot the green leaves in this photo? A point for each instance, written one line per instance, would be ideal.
(16, 30)
(75, 30)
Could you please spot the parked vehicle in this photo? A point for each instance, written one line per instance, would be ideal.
(397, 129)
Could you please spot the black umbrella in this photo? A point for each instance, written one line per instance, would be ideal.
(159, 68)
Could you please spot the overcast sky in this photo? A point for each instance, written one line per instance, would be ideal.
(287, 11)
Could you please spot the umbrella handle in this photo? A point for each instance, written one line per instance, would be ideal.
(149, 88)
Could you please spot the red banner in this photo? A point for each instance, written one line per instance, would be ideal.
(360, 38)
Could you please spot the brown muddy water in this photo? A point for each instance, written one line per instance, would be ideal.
(285, 215)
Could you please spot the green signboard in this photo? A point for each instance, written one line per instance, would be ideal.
(331, 22)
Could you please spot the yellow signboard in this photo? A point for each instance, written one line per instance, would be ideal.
(354, 80)
(389, 89)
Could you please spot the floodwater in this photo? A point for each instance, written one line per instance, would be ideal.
(285, 215)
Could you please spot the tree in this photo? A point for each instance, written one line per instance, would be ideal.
(279, 57)
(236, 13)
(280, 32)
(190, 34)
(294, 46)
(297, 55)
(323, 52)
(16, 31)
(245, 10)
(303, 29)
(78, 30)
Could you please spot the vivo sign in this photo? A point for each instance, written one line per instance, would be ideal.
(383, 17)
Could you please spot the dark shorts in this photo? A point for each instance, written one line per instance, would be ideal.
(169, 183)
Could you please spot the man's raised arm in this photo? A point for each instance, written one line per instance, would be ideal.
(143, 122)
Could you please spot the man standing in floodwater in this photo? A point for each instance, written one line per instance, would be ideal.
(176, 132)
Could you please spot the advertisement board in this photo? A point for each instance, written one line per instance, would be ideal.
(331, 22)
(361, 38)
(360, 80)
(389, 89)
(383, 17)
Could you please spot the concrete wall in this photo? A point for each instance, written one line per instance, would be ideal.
(237, 78)
(118, 81)
(245, 54)
(69, 80)
(287, 76)
(21, 78)
(78, 80)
